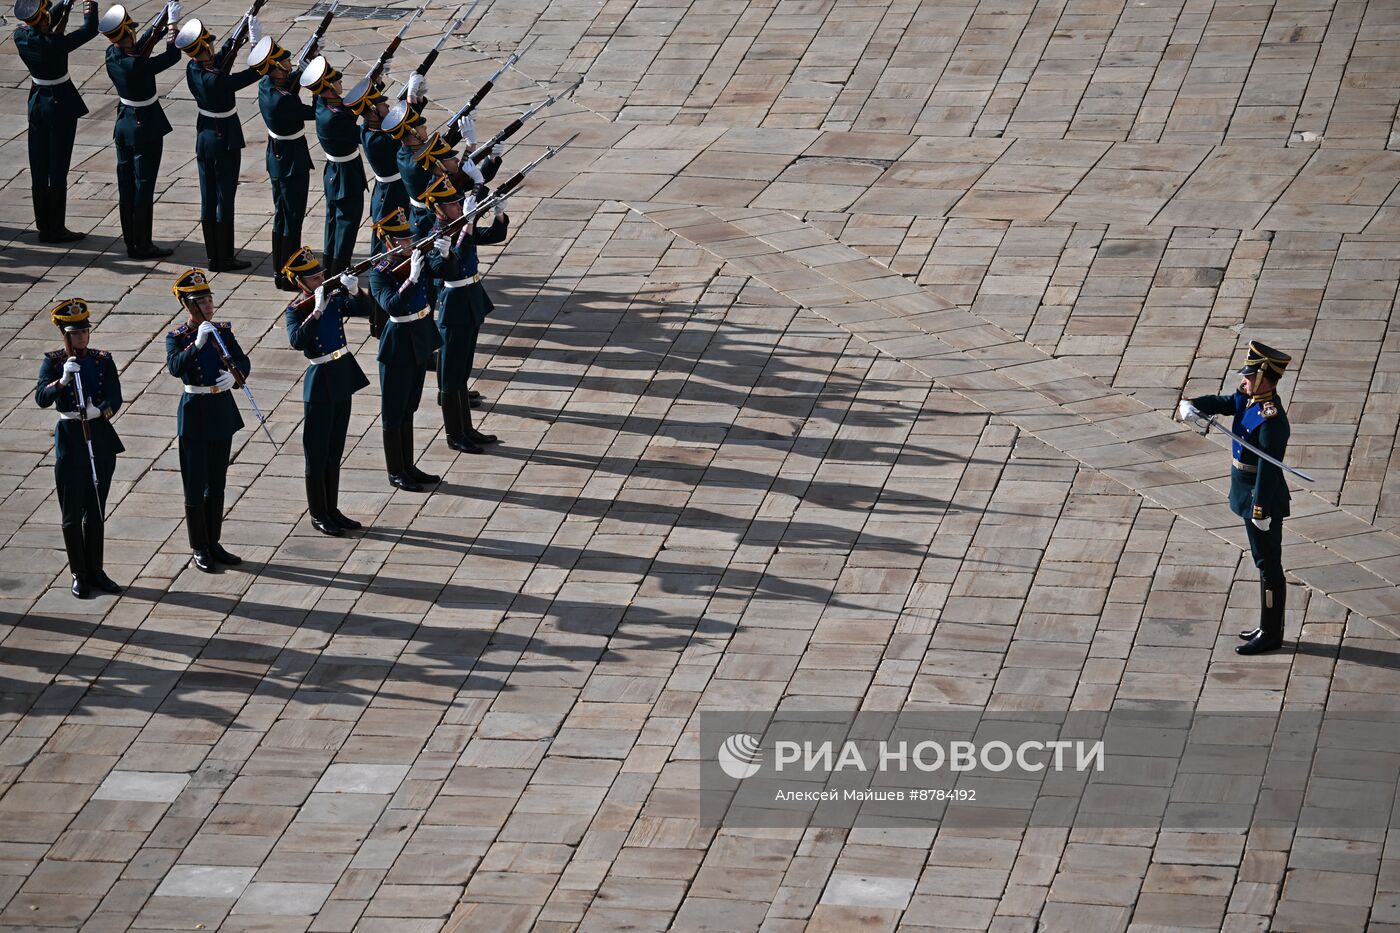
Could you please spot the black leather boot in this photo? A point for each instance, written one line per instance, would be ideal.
(97, 577)
(77, 559)
(1270, 636)
(58, 218)
(124, 212)
(1247, 634)
(316, 505)
(393, 459)
(212, 253)
(197, 526)
(228, 262)
(471, 433)
(39, 199)
(214, 513)
(453, 422)
(142, 218)
(409, 467)
(333, 500)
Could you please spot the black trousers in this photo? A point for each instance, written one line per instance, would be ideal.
(400, 392)
(138, 167)
(323, 433)
(289, 208)
(343, 225)
(51, 151)
(76, 497)
(204, 468)
(218, 184)
(1266, 547)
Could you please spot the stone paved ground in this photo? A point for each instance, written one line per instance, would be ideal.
(832, 364)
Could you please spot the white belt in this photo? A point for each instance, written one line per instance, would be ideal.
(410, 318)
(386, 179)
(418, 204)
(1244, 467)
(216, 116)
(73, 415)
(50, 82)
(202, 390)
(333, 355)
(297, 135)
(138, 103)
(345, 158)
(458, 283)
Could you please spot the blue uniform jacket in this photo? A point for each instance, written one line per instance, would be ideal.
(104, 390)
(134, 77)
(339, 134)
(455, 304)
(334, 379)
(382, 151)
(1257, 489)
(204, 416)
(407, 344)
(214, 92)
(284, 114)
(46, 57)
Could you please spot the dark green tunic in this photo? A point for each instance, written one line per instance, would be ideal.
(382, 151)
(72, 469)
(343, 177)
(138, 131)
(54, 108)
(288, 160)
(218, 145)
(329, 386)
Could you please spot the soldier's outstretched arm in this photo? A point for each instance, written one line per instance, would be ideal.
(1214, 404)
(496, 233)
(166, 59)
(85, 33)
(241, 79)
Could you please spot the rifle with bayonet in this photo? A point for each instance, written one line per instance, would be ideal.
(452, 134)
(479, 154)
(308, 304)
(147, 43)
(422, 70)
(83, 418)
(238, 37)
(313, 45)
(392, 47)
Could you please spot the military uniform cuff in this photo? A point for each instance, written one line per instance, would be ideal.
(1258, 512)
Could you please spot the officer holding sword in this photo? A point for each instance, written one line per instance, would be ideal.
(1258, 493)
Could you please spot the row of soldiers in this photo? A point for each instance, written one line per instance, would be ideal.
(133, 66)
(425, 301)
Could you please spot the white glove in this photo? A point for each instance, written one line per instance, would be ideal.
(417, 88)
(472, 171)
(201, 337)
(496, 151)
(1185, 411)
(443, 246)
(255, 32)
(92, 411)
(469, 204)
(384, 72)
(69, 369)
(501, 207)
(225, 380)
(175, 11)
(415, 266)
(320, 307)
(467, 127)
(1263, 523)
(351, 282)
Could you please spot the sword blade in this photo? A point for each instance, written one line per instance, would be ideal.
(1261, 454)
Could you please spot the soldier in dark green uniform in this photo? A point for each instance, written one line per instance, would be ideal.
(207, 358)
(219, 143)
(405, 124)
(288, 156)
(1258, 493)
(81, 383)
(405, 351)
(381, 149)
(140, 126)
(332, 379)
(344, 174)
(54, 109)
(462, 307)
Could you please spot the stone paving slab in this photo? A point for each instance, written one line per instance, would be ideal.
(832, 362)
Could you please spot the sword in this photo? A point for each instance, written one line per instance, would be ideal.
(228, 361)
(87, 436)
(1206, 422)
